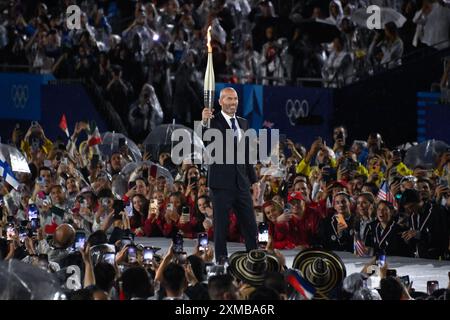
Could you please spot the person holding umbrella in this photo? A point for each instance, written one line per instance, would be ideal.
(391, 46)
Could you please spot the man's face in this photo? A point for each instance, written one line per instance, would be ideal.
(339, 136)
(424, 190)
(47, 175)
(229, 101)
(57, 196)
(356, 186)
(303, 188)
(115, 161)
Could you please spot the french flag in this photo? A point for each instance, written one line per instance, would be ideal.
(300, 284)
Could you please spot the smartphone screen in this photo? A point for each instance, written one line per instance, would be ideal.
(148, 255)
(109, 258)
(405, 280)
(381, 260)
(132, 254)
(32, 212)
(23, 233)
(80, 239)
(178, 243)
(202, 241)
(263, 232)
(35, 224)
(432, 286)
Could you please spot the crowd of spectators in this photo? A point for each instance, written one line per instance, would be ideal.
(128, 47)
(358, 197)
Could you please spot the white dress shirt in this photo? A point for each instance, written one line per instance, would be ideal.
(227, 119)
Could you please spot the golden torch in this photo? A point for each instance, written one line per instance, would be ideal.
(210, 82)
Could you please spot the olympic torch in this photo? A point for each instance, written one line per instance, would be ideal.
(210, 82)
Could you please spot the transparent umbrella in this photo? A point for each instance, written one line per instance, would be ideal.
(425, 154)
(22, 281)
(361, 17)
(160, 140)
(133, 169)
(110, 143)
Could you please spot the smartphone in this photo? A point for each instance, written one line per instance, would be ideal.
(43, 260)
(129, 210)
(432, 286)
(202, 241)
(94, 161)
(109, 258)
(148, 255)
(10, 231)
(132, 254)
(178, 243)
(105, 203)
(381, 260)
(23, 233)
(405, 281)
(35, 224)
(126, 242)
(186, 213)
(170, 206)
(33, 212)
(80, 240)
(263, 233)
(391, 273)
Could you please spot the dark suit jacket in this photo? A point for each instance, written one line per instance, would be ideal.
(230, 176)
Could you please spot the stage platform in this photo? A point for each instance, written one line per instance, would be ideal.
(419, 270)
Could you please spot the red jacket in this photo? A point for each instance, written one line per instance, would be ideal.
(233, 229)
(282, 235)
(305, 229)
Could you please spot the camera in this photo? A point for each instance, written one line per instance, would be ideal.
(185, 212)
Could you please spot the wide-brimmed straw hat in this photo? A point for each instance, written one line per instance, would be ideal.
(252, 267)
(323, 269)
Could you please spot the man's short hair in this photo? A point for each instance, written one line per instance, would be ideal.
(264, 293)
(219, 285)
(391, 289)
(136, 283)
(174, 277)
(104, 276)
(97, 237)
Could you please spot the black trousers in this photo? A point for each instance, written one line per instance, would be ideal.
(241, 202)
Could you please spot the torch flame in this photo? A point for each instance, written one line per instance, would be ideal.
(208, 37)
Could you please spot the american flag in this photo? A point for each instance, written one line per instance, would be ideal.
(360, 249)
(385, 194)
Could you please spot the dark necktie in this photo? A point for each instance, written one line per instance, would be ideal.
(233, 125)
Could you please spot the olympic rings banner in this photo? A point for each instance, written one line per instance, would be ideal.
(301, 114)
(21, 95)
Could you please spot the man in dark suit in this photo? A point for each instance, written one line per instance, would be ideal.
(230, 183)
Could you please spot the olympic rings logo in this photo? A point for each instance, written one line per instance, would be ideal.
(296, 109)
(19, 95)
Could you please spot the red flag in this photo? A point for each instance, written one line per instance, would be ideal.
(63, 125)
(95, 138)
